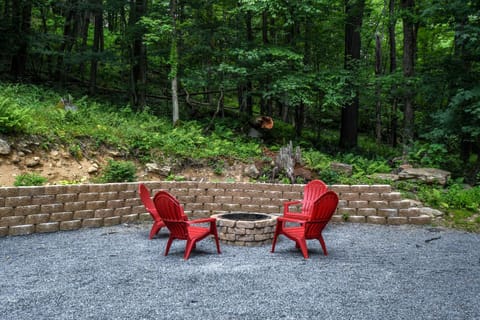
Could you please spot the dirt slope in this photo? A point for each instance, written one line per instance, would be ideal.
(60, 167)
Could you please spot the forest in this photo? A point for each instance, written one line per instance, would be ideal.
(403, 73)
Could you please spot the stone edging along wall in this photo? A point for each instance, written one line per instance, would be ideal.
(27, 210)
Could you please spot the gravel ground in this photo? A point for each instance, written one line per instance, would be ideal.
(371, 272)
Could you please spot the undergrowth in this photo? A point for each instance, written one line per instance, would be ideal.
(33, 110)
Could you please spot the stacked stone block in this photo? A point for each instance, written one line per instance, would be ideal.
(26, 210)
(246, 233)
(376, 204)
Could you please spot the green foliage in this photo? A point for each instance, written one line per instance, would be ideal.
(461, 205)
(218, 166)
(463, 219)
(435, 155)
(119, 171)
(172, 177)
(29, 179)
(362, 167)
(75, 151)
(430, 155)
(365, 167)
(455, 197)
(433, 197)
(332, 85)
(329, 176)
(13, 118)
(458, 197)
(316, 160)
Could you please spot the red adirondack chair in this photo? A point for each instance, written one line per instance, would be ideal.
(311, 227)
(180, 228)
(311, 192)
(150, 206)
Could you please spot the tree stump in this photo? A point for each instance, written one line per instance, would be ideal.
(286, 160)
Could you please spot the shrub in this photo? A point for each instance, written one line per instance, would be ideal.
(13, 119)
(455, 197)
(329, 176)
(458, 197)
(119, 171)
(29, 179)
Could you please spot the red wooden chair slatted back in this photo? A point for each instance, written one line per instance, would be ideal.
(150, 206)
(310, 227)
(311, 192)
(179, 226)
(322, 211)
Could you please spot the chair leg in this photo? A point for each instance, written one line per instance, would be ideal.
(278, 228)
(303, 247)
(322, 243)
(188, 248)
(155, 229)
(274, 242)
(213, 231)
(217, 243)
(169, 243)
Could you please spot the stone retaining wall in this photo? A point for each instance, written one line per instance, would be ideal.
(27, 210)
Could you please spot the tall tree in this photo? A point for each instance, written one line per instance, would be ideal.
(139, 55)
(71, 13)
(174, 61)
(22, 20)
(408, 20)
(378, 73)
(392, 43)
(353, 22)
(97, 42)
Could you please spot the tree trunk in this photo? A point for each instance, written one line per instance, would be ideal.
(84, 34)
(378, 73)
(68, 38)
(299, 119)
(97, 40)
(175, 108)
(265, 104)
(349, 123)
(265, 27)
(174, 62)
(393, 68)
(408, 69)
(464, 66)
(249, 85)
(22, 26)
(139, 56)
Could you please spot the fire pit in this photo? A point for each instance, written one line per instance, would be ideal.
(245, 229)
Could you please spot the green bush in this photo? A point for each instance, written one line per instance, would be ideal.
(29, 179)
(459, 197)
(329, 176)
(119, 171)
(455, 197)
(13, 119)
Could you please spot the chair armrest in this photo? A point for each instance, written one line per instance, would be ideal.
(287, 204)
(201, 220)
(295, 215)
(285, 219)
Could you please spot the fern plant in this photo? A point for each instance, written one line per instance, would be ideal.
(119, 171)
(13, 119)
(29, 179)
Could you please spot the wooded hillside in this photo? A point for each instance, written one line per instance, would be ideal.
(404, 72)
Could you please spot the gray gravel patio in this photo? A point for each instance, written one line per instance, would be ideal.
(371, 272)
